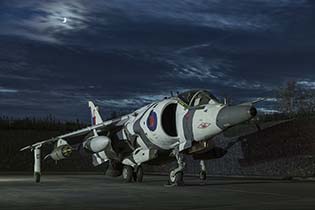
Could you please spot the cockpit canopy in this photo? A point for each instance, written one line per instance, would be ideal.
(197, 98)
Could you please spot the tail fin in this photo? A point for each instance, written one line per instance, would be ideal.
(95, 115)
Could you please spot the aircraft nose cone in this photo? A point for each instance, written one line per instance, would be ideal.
(233, 115)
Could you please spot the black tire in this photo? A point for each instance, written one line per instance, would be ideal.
(203, 175)
(178, 179)
(138, 175)
(127, 173)
(37, 177)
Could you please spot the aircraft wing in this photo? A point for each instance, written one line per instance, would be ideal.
(107, 125)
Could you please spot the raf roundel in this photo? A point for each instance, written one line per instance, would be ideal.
(152, 121)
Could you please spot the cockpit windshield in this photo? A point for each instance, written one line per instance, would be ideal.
(197, 98)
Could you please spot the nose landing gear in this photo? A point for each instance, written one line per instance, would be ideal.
(176, 175)
(176, 178)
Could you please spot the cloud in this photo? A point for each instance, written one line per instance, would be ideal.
(126, 53)
(214, 14)
(17, 77)
(42, 20)
(7, 90)
(132, 102)
(307, 84)
(268, 111)
(271, 99)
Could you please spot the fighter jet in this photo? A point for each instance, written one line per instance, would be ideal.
(162, 131)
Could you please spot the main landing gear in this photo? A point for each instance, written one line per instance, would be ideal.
(130, 173)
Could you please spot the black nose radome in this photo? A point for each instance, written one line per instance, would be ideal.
(233, 115)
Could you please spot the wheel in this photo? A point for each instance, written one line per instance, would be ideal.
(176, 179)
(127, 173)
(203, 175)
(106, 166)
(138, 175)
(37, 177)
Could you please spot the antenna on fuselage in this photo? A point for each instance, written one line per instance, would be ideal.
(226, 100)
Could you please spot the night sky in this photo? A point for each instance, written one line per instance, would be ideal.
(126, 53)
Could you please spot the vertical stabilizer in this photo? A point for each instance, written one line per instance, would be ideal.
(95, 115)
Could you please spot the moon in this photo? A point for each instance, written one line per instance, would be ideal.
(64, 20)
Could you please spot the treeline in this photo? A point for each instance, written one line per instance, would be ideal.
(284, 116)
(16, 133)
(49, 122)
(46, 123)
(296, 98)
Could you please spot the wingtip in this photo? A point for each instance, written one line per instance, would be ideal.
(25, 148)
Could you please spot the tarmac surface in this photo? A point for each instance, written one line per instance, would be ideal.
(90, 192)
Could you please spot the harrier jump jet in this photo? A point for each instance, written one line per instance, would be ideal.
(161, 131)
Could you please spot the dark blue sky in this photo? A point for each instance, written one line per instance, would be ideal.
(123, 54)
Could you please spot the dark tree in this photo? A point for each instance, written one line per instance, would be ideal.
(296, 99)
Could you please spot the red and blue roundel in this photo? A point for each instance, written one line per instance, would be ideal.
(152, 121)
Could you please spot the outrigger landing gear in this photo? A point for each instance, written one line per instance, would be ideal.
(37, 164)
(176, 175)
(203, 173)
